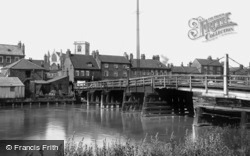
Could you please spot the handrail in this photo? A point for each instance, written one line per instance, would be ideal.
(176, 80)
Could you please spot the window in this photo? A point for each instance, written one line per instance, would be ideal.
(8, 59)
(116, 66)
(115, 74)
(28, 74)
(134, 73)
(87, 73)
(210, 70)
(143, 73)
(125, 73)
(77, 73)
(106, 73)
(152, 72)
(156, 72)
(89, 64)
(12, 89)
(205, 69)
(1, 59)
(219, 70)
(82, 72)
(106, 65)
(79, 48)
(125, 66)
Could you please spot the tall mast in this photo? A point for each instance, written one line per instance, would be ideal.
(138, 39)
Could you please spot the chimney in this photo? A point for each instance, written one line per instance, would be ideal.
(97, 53)
(23, 48)
(30, 59)
(68, 53)
(172, 65)
(45, 58)
(190, 64)
(143, 57)
(156, 57)
(241, 66)
(42, 63)
(19, 44)
(87, 48)
(131, 56)
(94, 54)
(209, 58)
(182, 64)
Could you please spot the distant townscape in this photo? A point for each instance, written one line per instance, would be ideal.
(59, 71)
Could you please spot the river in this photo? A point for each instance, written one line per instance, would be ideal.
(89, 122)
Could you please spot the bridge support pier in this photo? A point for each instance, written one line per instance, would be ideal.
(198, 116)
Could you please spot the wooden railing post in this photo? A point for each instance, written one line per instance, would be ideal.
(190, 83)
(206, 86)
(176, 82)
(164, 81)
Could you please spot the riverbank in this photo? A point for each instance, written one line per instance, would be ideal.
(210, 141)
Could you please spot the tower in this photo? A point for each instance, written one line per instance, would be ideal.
(81, 47)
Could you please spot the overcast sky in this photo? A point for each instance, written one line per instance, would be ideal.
(110, 27)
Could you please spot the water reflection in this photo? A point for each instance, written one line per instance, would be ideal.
(90, 123)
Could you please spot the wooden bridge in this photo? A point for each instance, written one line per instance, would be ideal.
(216, 95)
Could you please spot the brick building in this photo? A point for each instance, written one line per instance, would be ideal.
(26, 71)
(11, 53)
(112, 66)
(81, 67)
(148, 67)
(208, 66)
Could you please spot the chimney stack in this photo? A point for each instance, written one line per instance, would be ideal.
(68, 53)
(156, 57)
(143, 57)
(19, 44)
(131, 56)
(94, 54)
(87, 48)
(241, 66)
(23, 48)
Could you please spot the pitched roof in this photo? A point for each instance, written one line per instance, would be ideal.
(185, 70)
(239, 71)
(51, 80)
(81, 61)
(10, 81)
(113, 59)
(23, 64)
(39, 63)
(148, 63)
(6, 49)
(210, 62)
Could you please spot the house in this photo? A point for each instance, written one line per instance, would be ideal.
(11, 53)
(26, 71)
(239, 71)
(184, 70)
(81, 67)
(147, 67)
(11, 87)
(112, 66)
(208, 66)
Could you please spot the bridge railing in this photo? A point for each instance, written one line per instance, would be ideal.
(203, 81)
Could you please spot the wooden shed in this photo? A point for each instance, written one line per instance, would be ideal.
(11, 87)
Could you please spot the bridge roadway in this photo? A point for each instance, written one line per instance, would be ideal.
(238, 86)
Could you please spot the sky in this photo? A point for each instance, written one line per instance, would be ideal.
(110, 27)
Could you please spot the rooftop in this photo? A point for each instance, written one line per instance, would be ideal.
(211, 62)
(10, 81)
(148, 63)
(83, 61)
(113, 59)
(23, 64)
(185, 70)
(6, 49)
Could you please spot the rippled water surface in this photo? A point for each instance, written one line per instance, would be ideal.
(92, 123)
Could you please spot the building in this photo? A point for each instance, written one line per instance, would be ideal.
(26, 71)
(208, 66)
(185, 70)
(11, 53)
(54, 60)
(11, 87)
(148, 67)
(112, 66)
(239, 71)
(81, 48)
(81, 67)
